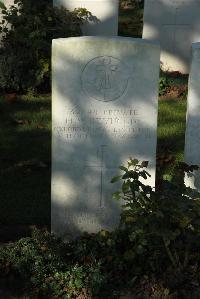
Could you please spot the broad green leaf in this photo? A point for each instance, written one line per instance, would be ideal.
(130, 219)
(135, 175)
(134, 162)
(117, 195)
(130, 175)
(147, 173)
(125, 186)
(110, 242)
(116, 178)
(167, 177)
(147, 189)
(143, 175)
(2, 6)
(145, 163)
(104, 233)
(134, 186)
(123, 168)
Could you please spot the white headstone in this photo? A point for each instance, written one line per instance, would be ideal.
(104, 19)
(192, 138)
(105, 98)
(176, 24)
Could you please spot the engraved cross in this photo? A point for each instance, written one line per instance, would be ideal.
(174, 26)
(101, 165)
(104, 73)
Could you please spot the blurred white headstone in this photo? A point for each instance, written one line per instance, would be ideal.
(104, 19)
(176, 24)
(192, 138)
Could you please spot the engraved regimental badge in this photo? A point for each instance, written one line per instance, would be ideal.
(105, 78)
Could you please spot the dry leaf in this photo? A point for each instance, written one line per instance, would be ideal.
(22, 122)
(10, 97)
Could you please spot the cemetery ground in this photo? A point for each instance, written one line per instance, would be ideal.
(25, 132)
(104, 265)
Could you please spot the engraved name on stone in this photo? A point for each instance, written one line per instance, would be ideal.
(84, 217)
(124, 123)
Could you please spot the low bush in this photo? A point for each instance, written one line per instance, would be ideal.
(27, 30)
(164, 84)
(173, 85)
(44, 266)
(154, 252)
(165, 222)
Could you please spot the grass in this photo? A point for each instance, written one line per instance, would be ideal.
(171, 127)
(25, 149)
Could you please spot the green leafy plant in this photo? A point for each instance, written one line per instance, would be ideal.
(44, 266)
(28, 28)
(161, 222)
(164, 84)
(98, 265)
(154, 252)
(2, 6)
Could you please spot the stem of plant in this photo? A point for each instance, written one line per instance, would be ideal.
(169, 254)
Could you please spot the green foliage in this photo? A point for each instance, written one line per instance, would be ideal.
(28, 28)
(156, 247)
(2, 6)
(47, 267)
(164, 83)
(133, 3)
(173, 85)
(165, 222)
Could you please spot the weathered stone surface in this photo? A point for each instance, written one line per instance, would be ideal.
(104, 19)
(192, 138)
(176, 24)
(104, 107)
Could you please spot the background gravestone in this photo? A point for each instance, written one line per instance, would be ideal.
(176, 24)
(192, 139)
(104, 19)
(105, 93)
